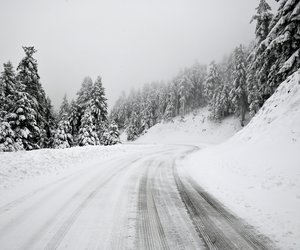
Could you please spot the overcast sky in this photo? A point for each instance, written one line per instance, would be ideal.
(127, 42)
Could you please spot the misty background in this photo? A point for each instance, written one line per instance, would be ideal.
(128, 43)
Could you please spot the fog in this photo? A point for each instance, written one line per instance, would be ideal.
(127, 42)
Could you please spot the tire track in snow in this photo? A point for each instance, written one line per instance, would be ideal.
(150, 230)
(258, 241)
(7, 207)
(25, 212)
(67, 224)
(11, 205)
(215, 225)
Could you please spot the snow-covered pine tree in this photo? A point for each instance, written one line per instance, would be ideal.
(7, 88)
(278, 56)
(64, 108)
(62, 136)
(238, 92)
(87, 132)
(50, 124)
(184, 94)
(212, 88)
(162, 101)
(74, 118)
(196, 76)
(255, 98)
(85, 94)
(112, 135)
(133, 127)
(175, 86)
(221, 104)
(2, 102)
(213, 81)
(118, 113)
(169, 112)
(9, 93)
(22, 119)
(8, 140)
(99, 106)
(28, 76)
(263, 19)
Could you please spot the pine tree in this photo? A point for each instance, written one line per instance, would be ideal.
(64, 108)
(263, 19)
(112, 136)
(7, 88)
(99, 106)
(213, 81)
(133, 127)
(212, 89)
(2, 100)
(50, 124)
(85, 94)
(29, 78)
(118, 113)
(278, 56)
(8, 85)
(239, 92)
(18, 125)
(74, 118)
(62, 136)
(8, 140)
(221, 104)
(87, 133)
(22, 119)
(197, 75)
(169, 112)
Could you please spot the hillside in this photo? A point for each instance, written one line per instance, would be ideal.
(256, 173)
(195, 129)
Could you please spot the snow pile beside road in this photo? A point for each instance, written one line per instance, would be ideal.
(22, 165)
(256, 173)
(194, 129)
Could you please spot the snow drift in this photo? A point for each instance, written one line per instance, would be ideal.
(256, 173)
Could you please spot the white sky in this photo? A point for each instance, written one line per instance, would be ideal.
(127, 42)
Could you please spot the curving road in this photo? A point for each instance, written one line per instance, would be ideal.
(139, 201)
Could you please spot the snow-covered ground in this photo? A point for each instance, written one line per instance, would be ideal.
(195, 129)
(256, 173)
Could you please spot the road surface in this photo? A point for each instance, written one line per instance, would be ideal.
(139, 201)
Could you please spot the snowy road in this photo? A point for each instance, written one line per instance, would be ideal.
(137, 201)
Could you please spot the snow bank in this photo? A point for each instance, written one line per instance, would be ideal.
(23, 165)
(194, 129)
(256, 173)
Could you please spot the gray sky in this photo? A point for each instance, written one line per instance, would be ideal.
(127, 42)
